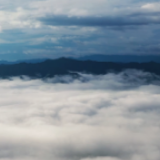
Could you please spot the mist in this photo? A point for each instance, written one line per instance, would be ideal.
(104, 117)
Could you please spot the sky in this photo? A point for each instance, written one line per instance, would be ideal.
(105, 117)
(55, 28)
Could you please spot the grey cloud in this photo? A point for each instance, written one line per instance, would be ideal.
(135, 19)
(149, 49)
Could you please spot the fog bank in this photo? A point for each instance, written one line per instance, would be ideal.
(106, 117)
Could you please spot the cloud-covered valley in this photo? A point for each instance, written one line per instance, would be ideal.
(105, 117)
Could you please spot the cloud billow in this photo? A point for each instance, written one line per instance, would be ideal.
(80, 120)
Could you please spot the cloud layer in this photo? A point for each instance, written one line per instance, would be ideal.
(135, 19)
(109, 117)
(51, 28)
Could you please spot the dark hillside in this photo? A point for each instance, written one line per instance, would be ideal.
(63, 66)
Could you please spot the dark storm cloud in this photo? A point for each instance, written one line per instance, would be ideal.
(135, 19)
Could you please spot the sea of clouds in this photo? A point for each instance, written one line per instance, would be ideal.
(105, 117)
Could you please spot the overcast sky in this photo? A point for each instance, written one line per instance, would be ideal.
(54, 28)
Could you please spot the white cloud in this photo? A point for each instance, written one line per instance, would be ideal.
(110, 117)
(19, 18)
(155, 6)
(20, 14)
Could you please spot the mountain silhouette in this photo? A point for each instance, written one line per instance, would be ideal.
(64, 66)
(121, 58)
(23, 61)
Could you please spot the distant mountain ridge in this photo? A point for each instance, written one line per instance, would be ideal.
(64, 66)
(121, 58)
(97, 58)
(23, 61)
